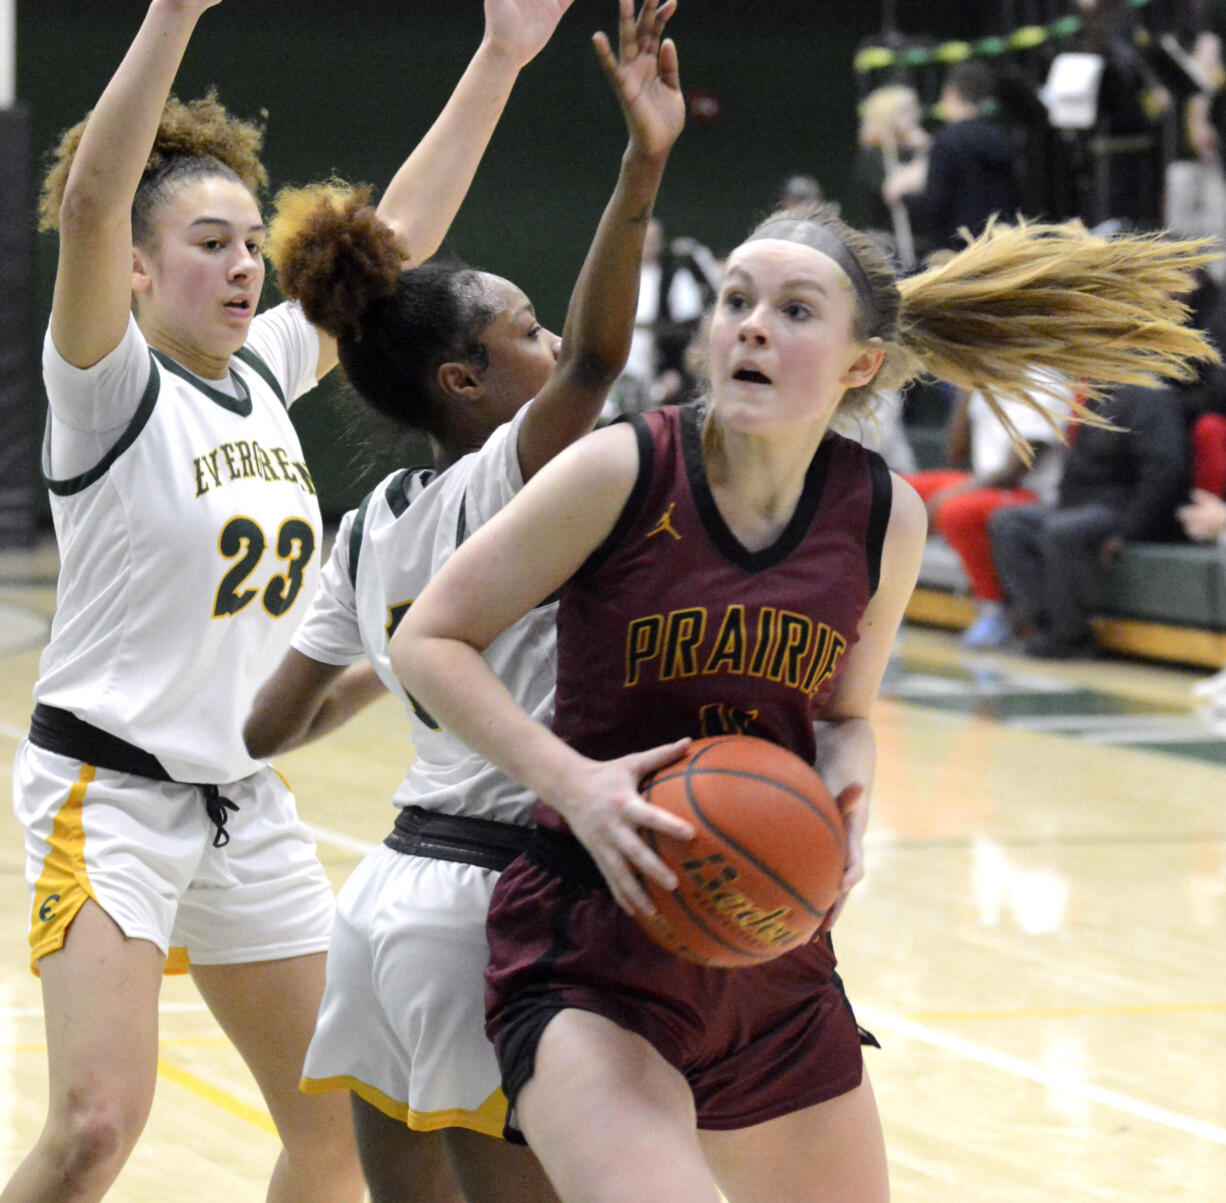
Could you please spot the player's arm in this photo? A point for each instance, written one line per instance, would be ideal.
(305, 699)
(600, 320)
(93, 279)
(846, 744)
(436, 651)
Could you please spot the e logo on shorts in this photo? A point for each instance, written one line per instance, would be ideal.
(45, 912)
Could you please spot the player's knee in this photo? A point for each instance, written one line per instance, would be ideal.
(89, 1142)
(325, 1151)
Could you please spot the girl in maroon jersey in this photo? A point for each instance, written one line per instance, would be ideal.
(633, 1074)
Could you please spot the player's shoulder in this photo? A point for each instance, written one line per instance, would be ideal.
(607, 455)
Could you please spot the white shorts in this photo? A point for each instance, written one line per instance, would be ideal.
(143, 851)
(402, 1023)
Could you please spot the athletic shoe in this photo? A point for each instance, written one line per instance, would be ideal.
(993, 629)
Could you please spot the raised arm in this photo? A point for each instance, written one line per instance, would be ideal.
(437, 649)
(93, 281)
(600, 318)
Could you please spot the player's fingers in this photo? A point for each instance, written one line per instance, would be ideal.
(663, 13)
(642, 858)
(658, 819)
(852, 877)
(626, 888)
(647, 27)
(627, 36)
(667, 66)
(849, 798)
(605, 53)
(643, 764)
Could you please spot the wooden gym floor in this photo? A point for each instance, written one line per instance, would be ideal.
(1040, 944)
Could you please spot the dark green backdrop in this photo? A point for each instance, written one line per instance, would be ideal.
(350, 85)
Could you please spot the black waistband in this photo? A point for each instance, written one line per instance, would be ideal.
(564, 856)
(482, 842)
(61, 732)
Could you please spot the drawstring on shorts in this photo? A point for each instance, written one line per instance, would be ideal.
(218, 808)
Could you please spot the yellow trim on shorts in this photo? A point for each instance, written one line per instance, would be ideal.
(488, 1119)
(177, 961)
(63, 885)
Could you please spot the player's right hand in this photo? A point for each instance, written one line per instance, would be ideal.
(604, 810)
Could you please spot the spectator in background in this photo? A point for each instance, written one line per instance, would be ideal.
(890, 138)
(1206, 112)
(1203, 519)
(677, 282)
(799, 190)
(1194, 192)
(960, 501)
(1204, 398)
(1118, 486)
(1117, 164)
(968, 173)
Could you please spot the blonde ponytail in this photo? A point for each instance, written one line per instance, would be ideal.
(1100, 311)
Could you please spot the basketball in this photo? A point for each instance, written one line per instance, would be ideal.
(766, 860)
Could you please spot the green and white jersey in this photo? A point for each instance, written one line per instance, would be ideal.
(188, 530)
(385, 554)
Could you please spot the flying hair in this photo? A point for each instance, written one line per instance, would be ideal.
(394, 325)
(332, 254)
(195, 130)
(1025, 298)
(1100, 311)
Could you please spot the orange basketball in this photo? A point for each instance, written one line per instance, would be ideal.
(766, 859)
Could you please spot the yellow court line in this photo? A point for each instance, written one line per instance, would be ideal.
(1069, 1012)
(189, 1081)
(216, 1096)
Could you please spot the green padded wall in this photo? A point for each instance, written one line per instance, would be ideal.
(350, 87)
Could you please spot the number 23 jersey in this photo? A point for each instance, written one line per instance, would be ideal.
(188, 540)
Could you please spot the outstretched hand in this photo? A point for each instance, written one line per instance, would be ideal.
(605, 810)
(644, 75)
(520, 28)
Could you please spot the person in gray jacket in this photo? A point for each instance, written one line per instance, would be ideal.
(1118, 486)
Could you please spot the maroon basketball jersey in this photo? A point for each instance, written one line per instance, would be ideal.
(674, 628)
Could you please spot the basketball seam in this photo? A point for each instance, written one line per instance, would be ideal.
(766, 870)
(686, 769)
(703, 925)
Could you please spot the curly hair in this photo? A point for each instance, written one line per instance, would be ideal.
(1053, 297)
(393, 326)
(196, 139)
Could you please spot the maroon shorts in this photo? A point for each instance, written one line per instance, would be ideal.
(753, 1043)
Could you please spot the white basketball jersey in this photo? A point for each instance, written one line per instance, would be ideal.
(188, 550)
(385, 554)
